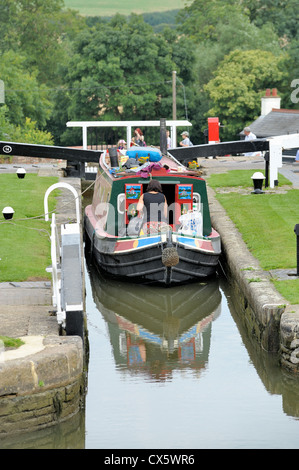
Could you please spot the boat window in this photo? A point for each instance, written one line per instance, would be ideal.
(121, 203)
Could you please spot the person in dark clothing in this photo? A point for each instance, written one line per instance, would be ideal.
(152, 206)
(139, 138)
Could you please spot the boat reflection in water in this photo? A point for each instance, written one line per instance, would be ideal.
(157, 330)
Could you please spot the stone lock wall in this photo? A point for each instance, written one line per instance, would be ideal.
(43, 389)
(268, 317)
(289, 338)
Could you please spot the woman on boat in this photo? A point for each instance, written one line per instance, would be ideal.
(152, 206)
(139, 138)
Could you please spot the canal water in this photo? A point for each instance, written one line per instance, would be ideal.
(174, 368)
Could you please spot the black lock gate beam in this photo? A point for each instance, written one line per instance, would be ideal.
(76, 158)
(222, 148)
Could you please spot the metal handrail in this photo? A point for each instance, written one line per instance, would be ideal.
(55, 247)
(61, 185)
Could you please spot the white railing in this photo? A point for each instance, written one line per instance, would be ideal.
(55, 269)
(61, 185)
(56, 251)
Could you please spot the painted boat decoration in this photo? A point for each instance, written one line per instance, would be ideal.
(185, 250)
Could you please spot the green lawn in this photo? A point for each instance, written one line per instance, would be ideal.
(110, 8)
(25, 245)
(10, 342)
(266, 222)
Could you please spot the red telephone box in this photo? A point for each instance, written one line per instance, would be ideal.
(133, 193)
(183, 200)
(213, 125)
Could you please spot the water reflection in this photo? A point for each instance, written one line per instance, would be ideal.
(170, 356)
(276, 380)
(154, 330)
(69, 434)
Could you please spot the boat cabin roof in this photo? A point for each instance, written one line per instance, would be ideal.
(167, 166)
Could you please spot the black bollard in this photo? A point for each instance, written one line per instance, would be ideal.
(296, 230)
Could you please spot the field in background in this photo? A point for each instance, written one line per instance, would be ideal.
(111, 7)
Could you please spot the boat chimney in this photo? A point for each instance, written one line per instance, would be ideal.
(163, 138)
(113, 157)
(270, 101)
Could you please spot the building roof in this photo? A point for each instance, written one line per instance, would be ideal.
(277, 122)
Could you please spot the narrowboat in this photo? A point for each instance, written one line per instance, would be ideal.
(186, 249)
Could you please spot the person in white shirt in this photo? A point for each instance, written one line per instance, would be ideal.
(186, 142)
(168, 139)
(250, 136)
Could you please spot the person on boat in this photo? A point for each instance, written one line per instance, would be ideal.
(168, 139)
(139, 138)
(152, 206)
(186, 142)
(121, 145)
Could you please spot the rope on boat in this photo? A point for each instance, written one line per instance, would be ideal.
(170, 256)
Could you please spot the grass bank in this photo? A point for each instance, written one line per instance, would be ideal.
(24, 240)
(110, 8)
(266, 222)
(10, 343)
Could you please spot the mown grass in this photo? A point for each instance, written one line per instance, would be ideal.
(11, 342)
(24, 240)
(266, 222)
(110, 8)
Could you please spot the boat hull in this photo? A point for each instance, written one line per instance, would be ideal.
(141, 259)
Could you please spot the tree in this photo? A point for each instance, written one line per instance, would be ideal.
(200, 18)
(28, 132)
(239, 82)
(40, 31)
(122, 71)
(282, 14)
(217, 28)
(24, 96)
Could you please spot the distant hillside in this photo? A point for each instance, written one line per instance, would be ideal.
(110, 8)
(158, 20)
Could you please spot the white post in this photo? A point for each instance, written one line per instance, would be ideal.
(84, 137)
(276, 146)
(275, 152)
(129, 136)
(173, 137)
(56, 291)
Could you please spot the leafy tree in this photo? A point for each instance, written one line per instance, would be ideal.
(217, 28)
(40, 30)
(28, 132)
(31, 134)
(282, 14)
(123, 71)
(199, 19)
(24, 96)
(239, 82)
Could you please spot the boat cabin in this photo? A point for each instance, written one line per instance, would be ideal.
(116, 194)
